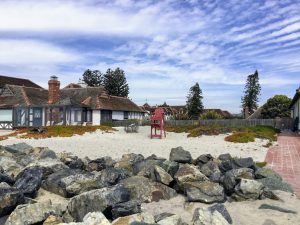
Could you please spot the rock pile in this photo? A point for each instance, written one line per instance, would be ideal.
(105, 191)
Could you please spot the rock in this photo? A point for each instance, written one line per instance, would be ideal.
(102, 200)
(269, 194)
(236, 164)
(129, 160)
(34, 213)
(247, 189)
(203, 159)
(267, 173)
(47, 153)
(208, 217)
(170, 167)
(275, 184)
(100, 164)
(269, 222)
(180, 155)
(126, 209)
(206, 192)
(111, 176)
(276, 208)
(10, 166)
(171, 220)
(146, 168)
(216, 177)
(5, 178)
(188, 173)
(76, 164)
(162, 216)
(140, 218)
(232, 177)
(225, 157)
(53, 220)
(162, 176)
(209, 168)
(92, 218)
(155, 157)
(222, 210)
(18, 148)
(10, 197)
(29, 181)
(145, 190)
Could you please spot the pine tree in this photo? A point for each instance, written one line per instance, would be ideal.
(251, 93)
(194, 101)
(115, 83)
(92, 78)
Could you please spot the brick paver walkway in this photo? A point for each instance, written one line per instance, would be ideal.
(285, 159)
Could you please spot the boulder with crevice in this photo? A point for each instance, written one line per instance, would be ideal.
(180, 155)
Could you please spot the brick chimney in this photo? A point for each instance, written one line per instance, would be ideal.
(53, 90)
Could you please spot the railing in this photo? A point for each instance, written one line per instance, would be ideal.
(6, 125)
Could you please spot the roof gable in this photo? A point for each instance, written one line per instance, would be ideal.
(5, 80)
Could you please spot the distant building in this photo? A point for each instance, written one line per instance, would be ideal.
(295, 109)
(25, 104)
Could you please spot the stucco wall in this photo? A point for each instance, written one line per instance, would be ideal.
(96, 117)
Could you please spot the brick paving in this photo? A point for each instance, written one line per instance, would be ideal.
(285, 159)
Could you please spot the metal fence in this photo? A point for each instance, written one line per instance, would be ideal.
(280, 123)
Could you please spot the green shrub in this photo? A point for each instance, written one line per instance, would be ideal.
(261, 164)
(241, 137)
(210, 115)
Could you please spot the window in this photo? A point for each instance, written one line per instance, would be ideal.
(89, 116)
(126, 115)
(77, 116)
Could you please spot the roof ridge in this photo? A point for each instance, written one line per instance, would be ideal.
(25, 96)
(25, 86)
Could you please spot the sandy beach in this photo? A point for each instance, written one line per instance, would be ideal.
(115, 144)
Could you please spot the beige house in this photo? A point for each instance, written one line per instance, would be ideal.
(295, 109)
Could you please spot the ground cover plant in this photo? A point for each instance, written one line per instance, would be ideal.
(242, 134)
(58, 131)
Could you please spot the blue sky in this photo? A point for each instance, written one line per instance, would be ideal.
(163, 46)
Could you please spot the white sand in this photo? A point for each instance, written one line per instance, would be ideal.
(242, 213)
(98, 144)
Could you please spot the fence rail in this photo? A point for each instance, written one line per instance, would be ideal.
(6, 125)
(280, 123)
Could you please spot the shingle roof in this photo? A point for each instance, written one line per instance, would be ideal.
(91, 97)
(17, 81)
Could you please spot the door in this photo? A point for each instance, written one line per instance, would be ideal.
(37, 117)
(106, 116)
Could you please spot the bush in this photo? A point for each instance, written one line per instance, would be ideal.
(210, 115)
(241, 137)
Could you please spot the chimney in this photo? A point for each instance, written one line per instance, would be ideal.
(53, 90)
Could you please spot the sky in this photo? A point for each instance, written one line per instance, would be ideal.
(164, 47)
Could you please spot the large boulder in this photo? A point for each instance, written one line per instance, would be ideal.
(209, 168)
(99, 200)
(267, 173)
(18, 148)
(275, 184)
(203, 159)
(100, 164)
(145, 190)
(29, 181)
(188, 173)
(206, 192)
(236, 164)
(68, 182)
(140, 218)
(180, 155)
(171, 167)
(171, 220)
(36, 213)
(129, 160)
(222, 210)
(10, 197)
(146, 168)
(10, 166)
(208, 217)
(5, 178)
(126, 209)
(247, 189)
(92, 218)
(162, 176)
(111, 176)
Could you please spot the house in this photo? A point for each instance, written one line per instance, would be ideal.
(295, 109)
(170, 111)
(23, 106)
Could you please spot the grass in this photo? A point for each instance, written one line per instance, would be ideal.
(241, 134)
(59, 131)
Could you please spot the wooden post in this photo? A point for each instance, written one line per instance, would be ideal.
(64, 115)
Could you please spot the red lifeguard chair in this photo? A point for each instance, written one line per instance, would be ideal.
(158, 123)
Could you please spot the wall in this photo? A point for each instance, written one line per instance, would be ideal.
(96, 117)
(135, 115)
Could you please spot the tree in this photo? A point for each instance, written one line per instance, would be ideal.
(115, 83)
(277, 106)
(164, 105)
(194, 101)
(251, 93)
(92, 78)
